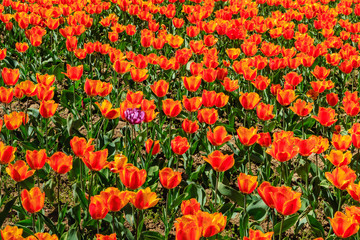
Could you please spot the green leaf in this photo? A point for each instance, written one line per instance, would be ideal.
(288, 223)
(81, 195)
(231, 193)
(258, 210)
(179, 200)
(152, 235)
(6, 210)
(49, 223)
(316, 226)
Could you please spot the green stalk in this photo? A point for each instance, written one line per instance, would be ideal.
(281, 227)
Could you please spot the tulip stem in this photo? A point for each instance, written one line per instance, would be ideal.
(38, 178)
(33, 222)
(90, 120)
(81, 175)
(113, 221)
(339, 197)
(281, 227)
(216, 190)
(58, 194)
(98, 226)
(91, 185)
(46, 134)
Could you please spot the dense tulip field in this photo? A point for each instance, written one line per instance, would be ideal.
(179, 119)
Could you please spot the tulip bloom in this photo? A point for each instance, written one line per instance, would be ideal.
(265, 111)
(80, 146)
(96, 161)
(190, 207)
(266, 192)
(160, 88)
(341, 177)
(107, 111)
(339, 158)
(192, 104)
(9, 232)
(42, 236)
(249, 100)
(212, 224)
(189, 126)
(302, 108)
(98, 208)
(247, 136)
(179, 145)
(188, 228)
(106, 237)
(33, 200)
(36, 159)
(343, 225)
(115, 199)
(219, 136)
(74, 73)
(341, 142)
(132, 177)
(144, 199)
(306, 146)
(326, 116)
(10, 76)
(60, 162)
(258, 235)
(47, 108)
(192, 83)
(283, 150)
(264, 139)
(169, 178)
(19, 171)
(149, 144)
(208, 115)
(219, 161)
(171, 107)
(247, 183)
(285, 97)
(14, 120)
(354, 191)
(7, 153)
(286, 201)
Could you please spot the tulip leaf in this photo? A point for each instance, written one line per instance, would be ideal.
(151, 235)
(49, 223)
(231, 193)
(81, 195)
(316, 226)
(6, 210)
(258, 210)
(288, 223)
(179, 200)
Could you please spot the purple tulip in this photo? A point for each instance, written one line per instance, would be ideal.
(134, 115)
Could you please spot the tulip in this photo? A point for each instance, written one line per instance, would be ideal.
(132, 177)
(14, 120)
(96, 161)
(249, 100)
(19, 171)
(42, 236)
(188, 228)
(47, 108)
(106, 237)
(190, 126)
(7, 153)
(321, 73)
(171, 108)
(219, 136)
(219, 161)
(264, 139)
(247, 183)
(36, 159)
(322, 144)
(118, 164)
(265, 111)
(302, 108)
(2, 54)
(33, 200)
(179, 145)
(160, 88)
(6, 95)
(46, 79)
(341, 142)
(10, 76)
(169, 178)
(115, 199)
(266, 192)
(208, 115)
(80, 146)
(212, 224)
(192, 83)
(190, 207)
(258, 235)
(285, 97)
(326, 116)
(247, 136)
(354, 191)
(286, 201)
(332, 99)
(154, 145)
(283, 150)
(98, 208)
(341, 177)
(339, 158)
(343, 225)
(107, 111)
(60, 162)
(192, 104)
(306, 146)
(9, 232)
(209, 98)
(144, 199)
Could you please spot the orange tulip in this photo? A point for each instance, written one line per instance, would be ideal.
(138, 75)
(287, 201)
(247, 136)
(339, 158)
(144, 199)
(343, 225)
(19, 171)
(258, 235)
(80, 146)
(21, 47)
(208, 115)
(149, 144)
(28, 88)
(192, 83)
(33, 200)
(160, 88)
(107, 111)
(118, 164)
(179, 145)
(249, 100)
(7, 153)
(169, 178)
(192, 104)
(208, 98)
(285, 97)
(106, 237)
(230, 85)
(36, 159)
(6, 95)
(219, 161)
(46, 79)
(14, 120)
(247, 183)
(115, 199)
(9, 232)
(96, 87)
(60, 162)
(326, 116)
(302, 108)
(47, 108)
(283, 150)
(10, 76)
(171, 107)
(306, 146)
(219, 136)
(188, 228)
(98, 208)
(211, 224)
(2, 54)
(132, 177)
(265, 111)
(121, 66)
(74, 73)
(264, 139)
(190, 207)
(135, 97)
(322, 144)
(189, 126)
(332, 99)
(266, 191)
(341, 142)
(341, 177)
(42, 236)
(96, 161)
(71, 43)
(354, 191)
(321, 73)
